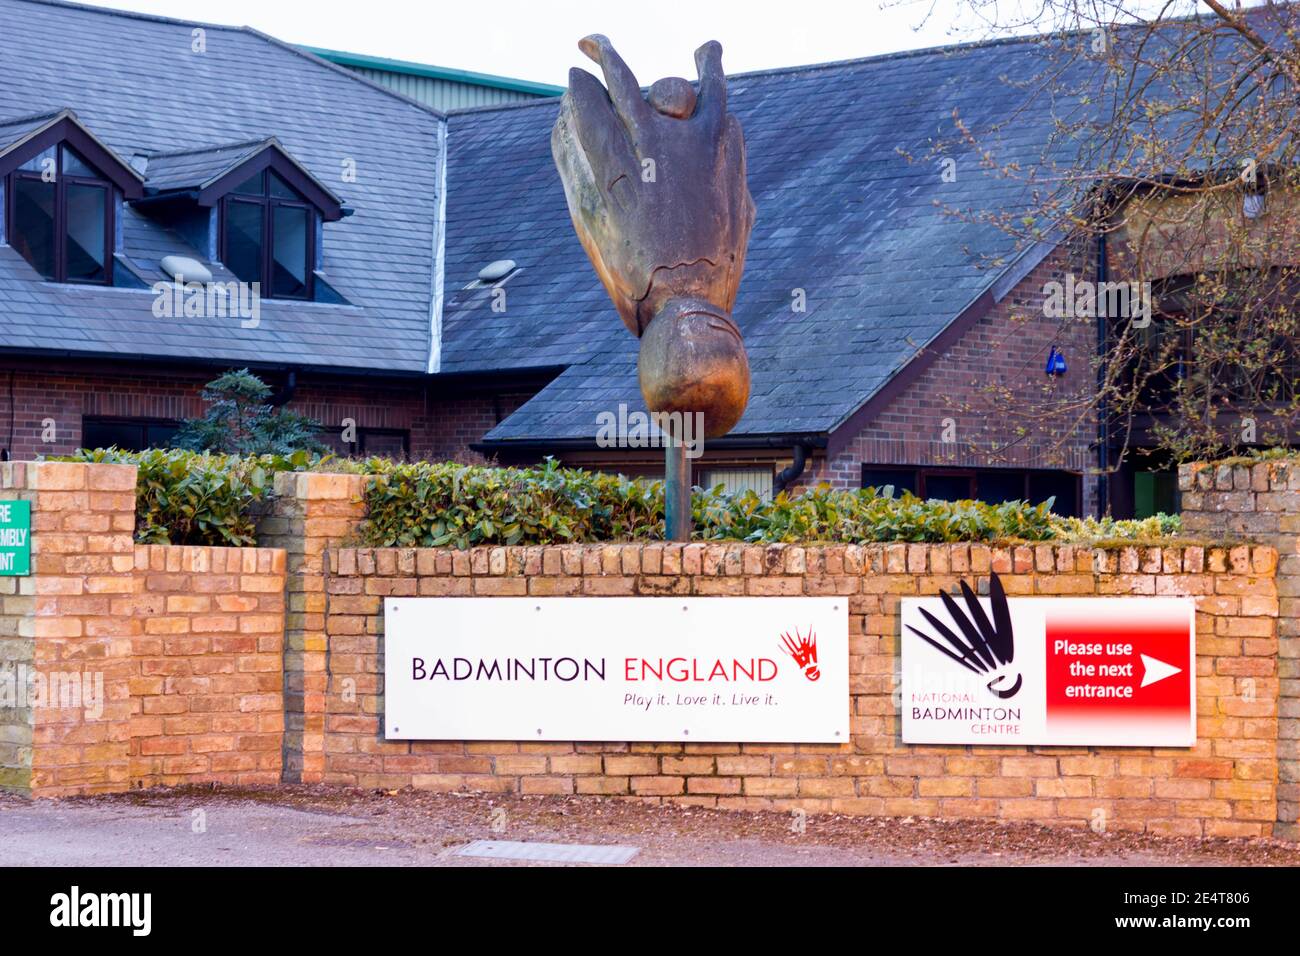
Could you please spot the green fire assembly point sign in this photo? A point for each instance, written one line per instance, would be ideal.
(15, 538)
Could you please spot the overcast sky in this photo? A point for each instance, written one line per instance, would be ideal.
(536, 39)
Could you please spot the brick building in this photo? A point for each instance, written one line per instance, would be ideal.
(890, 340)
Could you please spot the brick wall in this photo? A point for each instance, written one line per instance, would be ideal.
(207, 666)
(461, 422)
(107, 639)
(50, 400)
(205, 675)
(1225, 786)
(1262, 501)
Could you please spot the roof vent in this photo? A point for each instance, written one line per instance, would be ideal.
(496, 271)
(185, 269)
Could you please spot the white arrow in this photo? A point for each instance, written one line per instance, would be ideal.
(1154, 670)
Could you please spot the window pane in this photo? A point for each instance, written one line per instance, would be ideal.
(388, 444)
(160, 436)
(74, 165)
(254, 185)
(289, 251)
(42, 161)
(902, 479)
(126, 435)
(633, 471)
(1061, 485)
(948, 487)
(333, 440)
(87, 214)
(1155, 492)
(244, 240)
(34, 223)
(736, 480)
(281, 189)
(996, 487)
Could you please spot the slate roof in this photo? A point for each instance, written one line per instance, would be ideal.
(195, 168)
(841, 215)
(17, 129)
(135, 83)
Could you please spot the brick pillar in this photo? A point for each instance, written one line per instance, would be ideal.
(311, 512)
(17, 653)
(1261, 501)
(63, 626)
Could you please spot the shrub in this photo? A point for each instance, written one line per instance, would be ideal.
(824, 514)
(1103, 529)
(431, 505)
(238, 421)
(187, 497)
(423, 504)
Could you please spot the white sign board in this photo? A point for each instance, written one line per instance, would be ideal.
(1092, 671)
(732, 669)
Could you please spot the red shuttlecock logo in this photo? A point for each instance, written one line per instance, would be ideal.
(804, 651)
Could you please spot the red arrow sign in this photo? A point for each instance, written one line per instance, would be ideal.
(1130, 664)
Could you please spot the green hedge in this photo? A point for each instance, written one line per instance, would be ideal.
(1107, 529)
(185, 497)
(425, 504)
(437, 504)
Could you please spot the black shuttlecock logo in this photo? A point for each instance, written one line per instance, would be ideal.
(988, 647)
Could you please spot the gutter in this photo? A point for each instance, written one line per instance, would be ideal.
(285, 395)
(185, 361)
(452, 383)
(439, 257)
(427, 71)
(153, 199)
(807, 440)
(793, 471)
(1103, 423)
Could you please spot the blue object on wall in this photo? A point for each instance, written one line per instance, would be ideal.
(1055, 362)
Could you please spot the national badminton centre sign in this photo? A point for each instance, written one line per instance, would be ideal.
(733, 669)
(1107, 671)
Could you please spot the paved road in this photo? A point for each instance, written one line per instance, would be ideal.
(319, 827)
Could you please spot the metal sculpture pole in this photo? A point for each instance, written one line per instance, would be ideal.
(656, 188)
(677, 488)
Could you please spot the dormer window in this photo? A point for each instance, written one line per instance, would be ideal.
(61, 186)
(61, 217)
(268, 236)
(268, 208)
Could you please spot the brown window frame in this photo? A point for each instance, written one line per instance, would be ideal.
(60, 184)
(269, 203)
